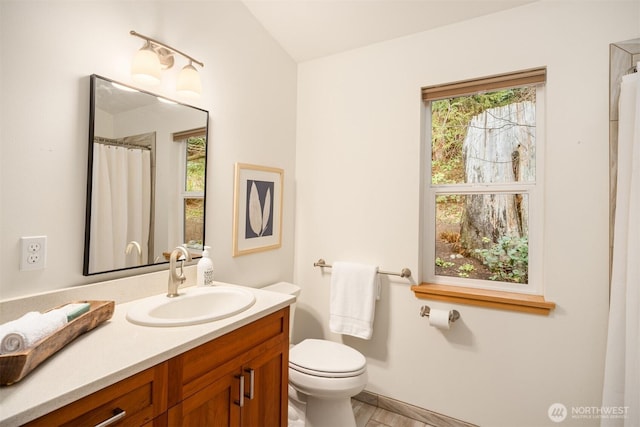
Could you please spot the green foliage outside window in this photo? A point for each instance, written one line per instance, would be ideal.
(196, 156)
(508, 259)
(195, 183)
(450, 120)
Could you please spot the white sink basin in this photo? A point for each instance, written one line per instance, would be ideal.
(193, 305)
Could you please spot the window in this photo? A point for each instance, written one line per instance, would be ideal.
(482, 204)
(193, 165)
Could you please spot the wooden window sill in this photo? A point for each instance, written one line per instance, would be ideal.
(512, 301)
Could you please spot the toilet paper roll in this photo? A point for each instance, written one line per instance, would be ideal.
(439, 319)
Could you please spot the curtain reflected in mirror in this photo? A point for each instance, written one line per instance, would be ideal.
(146, 179)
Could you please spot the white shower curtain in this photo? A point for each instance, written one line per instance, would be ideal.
(622, 367)
(121, 204)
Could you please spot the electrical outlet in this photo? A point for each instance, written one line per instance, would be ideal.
(33, 253)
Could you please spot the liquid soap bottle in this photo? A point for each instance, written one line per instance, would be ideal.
(205, 269)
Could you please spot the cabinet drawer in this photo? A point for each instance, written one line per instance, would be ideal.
(133, 401)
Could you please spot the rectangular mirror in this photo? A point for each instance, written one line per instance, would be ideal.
(146, 178)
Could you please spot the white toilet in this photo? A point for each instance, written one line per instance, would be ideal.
(323, 376)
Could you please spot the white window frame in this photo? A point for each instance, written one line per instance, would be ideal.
(534, 190)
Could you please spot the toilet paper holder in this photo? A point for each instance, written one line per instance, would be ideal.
(453, 314)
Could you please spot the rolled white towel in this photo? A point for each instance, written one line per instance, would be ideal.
(23, 333)
(11, 340)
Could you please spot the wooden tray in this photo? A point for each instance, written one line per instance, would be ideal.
(15, 366)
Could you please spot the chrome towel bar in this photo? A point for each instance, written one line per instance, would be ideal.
(404, 273)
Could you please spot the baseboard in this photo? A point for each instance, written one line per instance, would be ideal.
(410, 411)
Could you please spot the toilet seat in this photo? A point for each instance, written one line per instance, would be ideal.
(327, 359)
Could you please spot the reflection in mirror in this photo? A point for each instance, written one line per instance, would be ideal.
(146, 178)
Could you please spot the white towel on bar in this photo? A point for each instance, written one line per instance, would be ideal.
(354, 290)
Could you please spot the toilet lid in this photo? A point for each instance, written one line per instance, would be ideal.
(326, 359)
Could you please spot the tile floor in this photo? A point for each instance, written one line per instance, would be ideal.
(371, 416)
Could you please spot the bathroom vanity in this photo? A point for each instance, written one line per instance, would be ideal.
(231, 372)
(239, 379)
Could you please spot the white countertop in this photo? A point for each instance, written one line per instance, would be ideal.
(112, 352)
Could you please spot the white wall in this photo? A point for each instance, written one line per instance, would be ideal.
(357, 198)
(49, 49)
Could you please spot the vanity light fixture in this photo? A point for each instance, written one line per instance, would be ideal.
(156, 56)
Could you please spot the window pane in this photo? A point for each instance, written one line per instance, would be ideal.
(484, 138)
(194, 221)
(196, 155)
(482, 236)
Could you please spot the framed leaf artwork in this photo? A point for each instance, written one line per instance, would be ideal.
(257, 216)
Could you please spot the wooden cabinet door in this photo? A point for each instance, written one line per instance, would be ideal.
(237, 380)
(248, 396)
(265, 402)
(216, 405)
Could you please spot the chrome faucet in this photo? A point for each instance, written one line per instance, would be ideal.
(133, 244)
(176, 279)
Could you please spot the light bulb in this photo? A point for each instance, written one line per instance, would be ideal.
(146, 66)
(189, 82)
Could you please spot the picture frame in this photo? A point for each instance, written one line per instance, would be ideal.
(257, 212)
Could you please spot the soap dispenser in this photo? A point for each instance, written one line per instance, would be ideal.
(205, 269)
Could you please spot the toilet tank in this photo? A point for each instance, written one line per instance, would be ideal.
(289, 289)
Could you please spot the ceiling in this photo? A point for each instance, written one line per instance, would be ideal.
(309, 29)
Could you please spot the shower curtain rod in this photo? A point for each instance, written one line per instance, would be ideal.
(116, 143)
